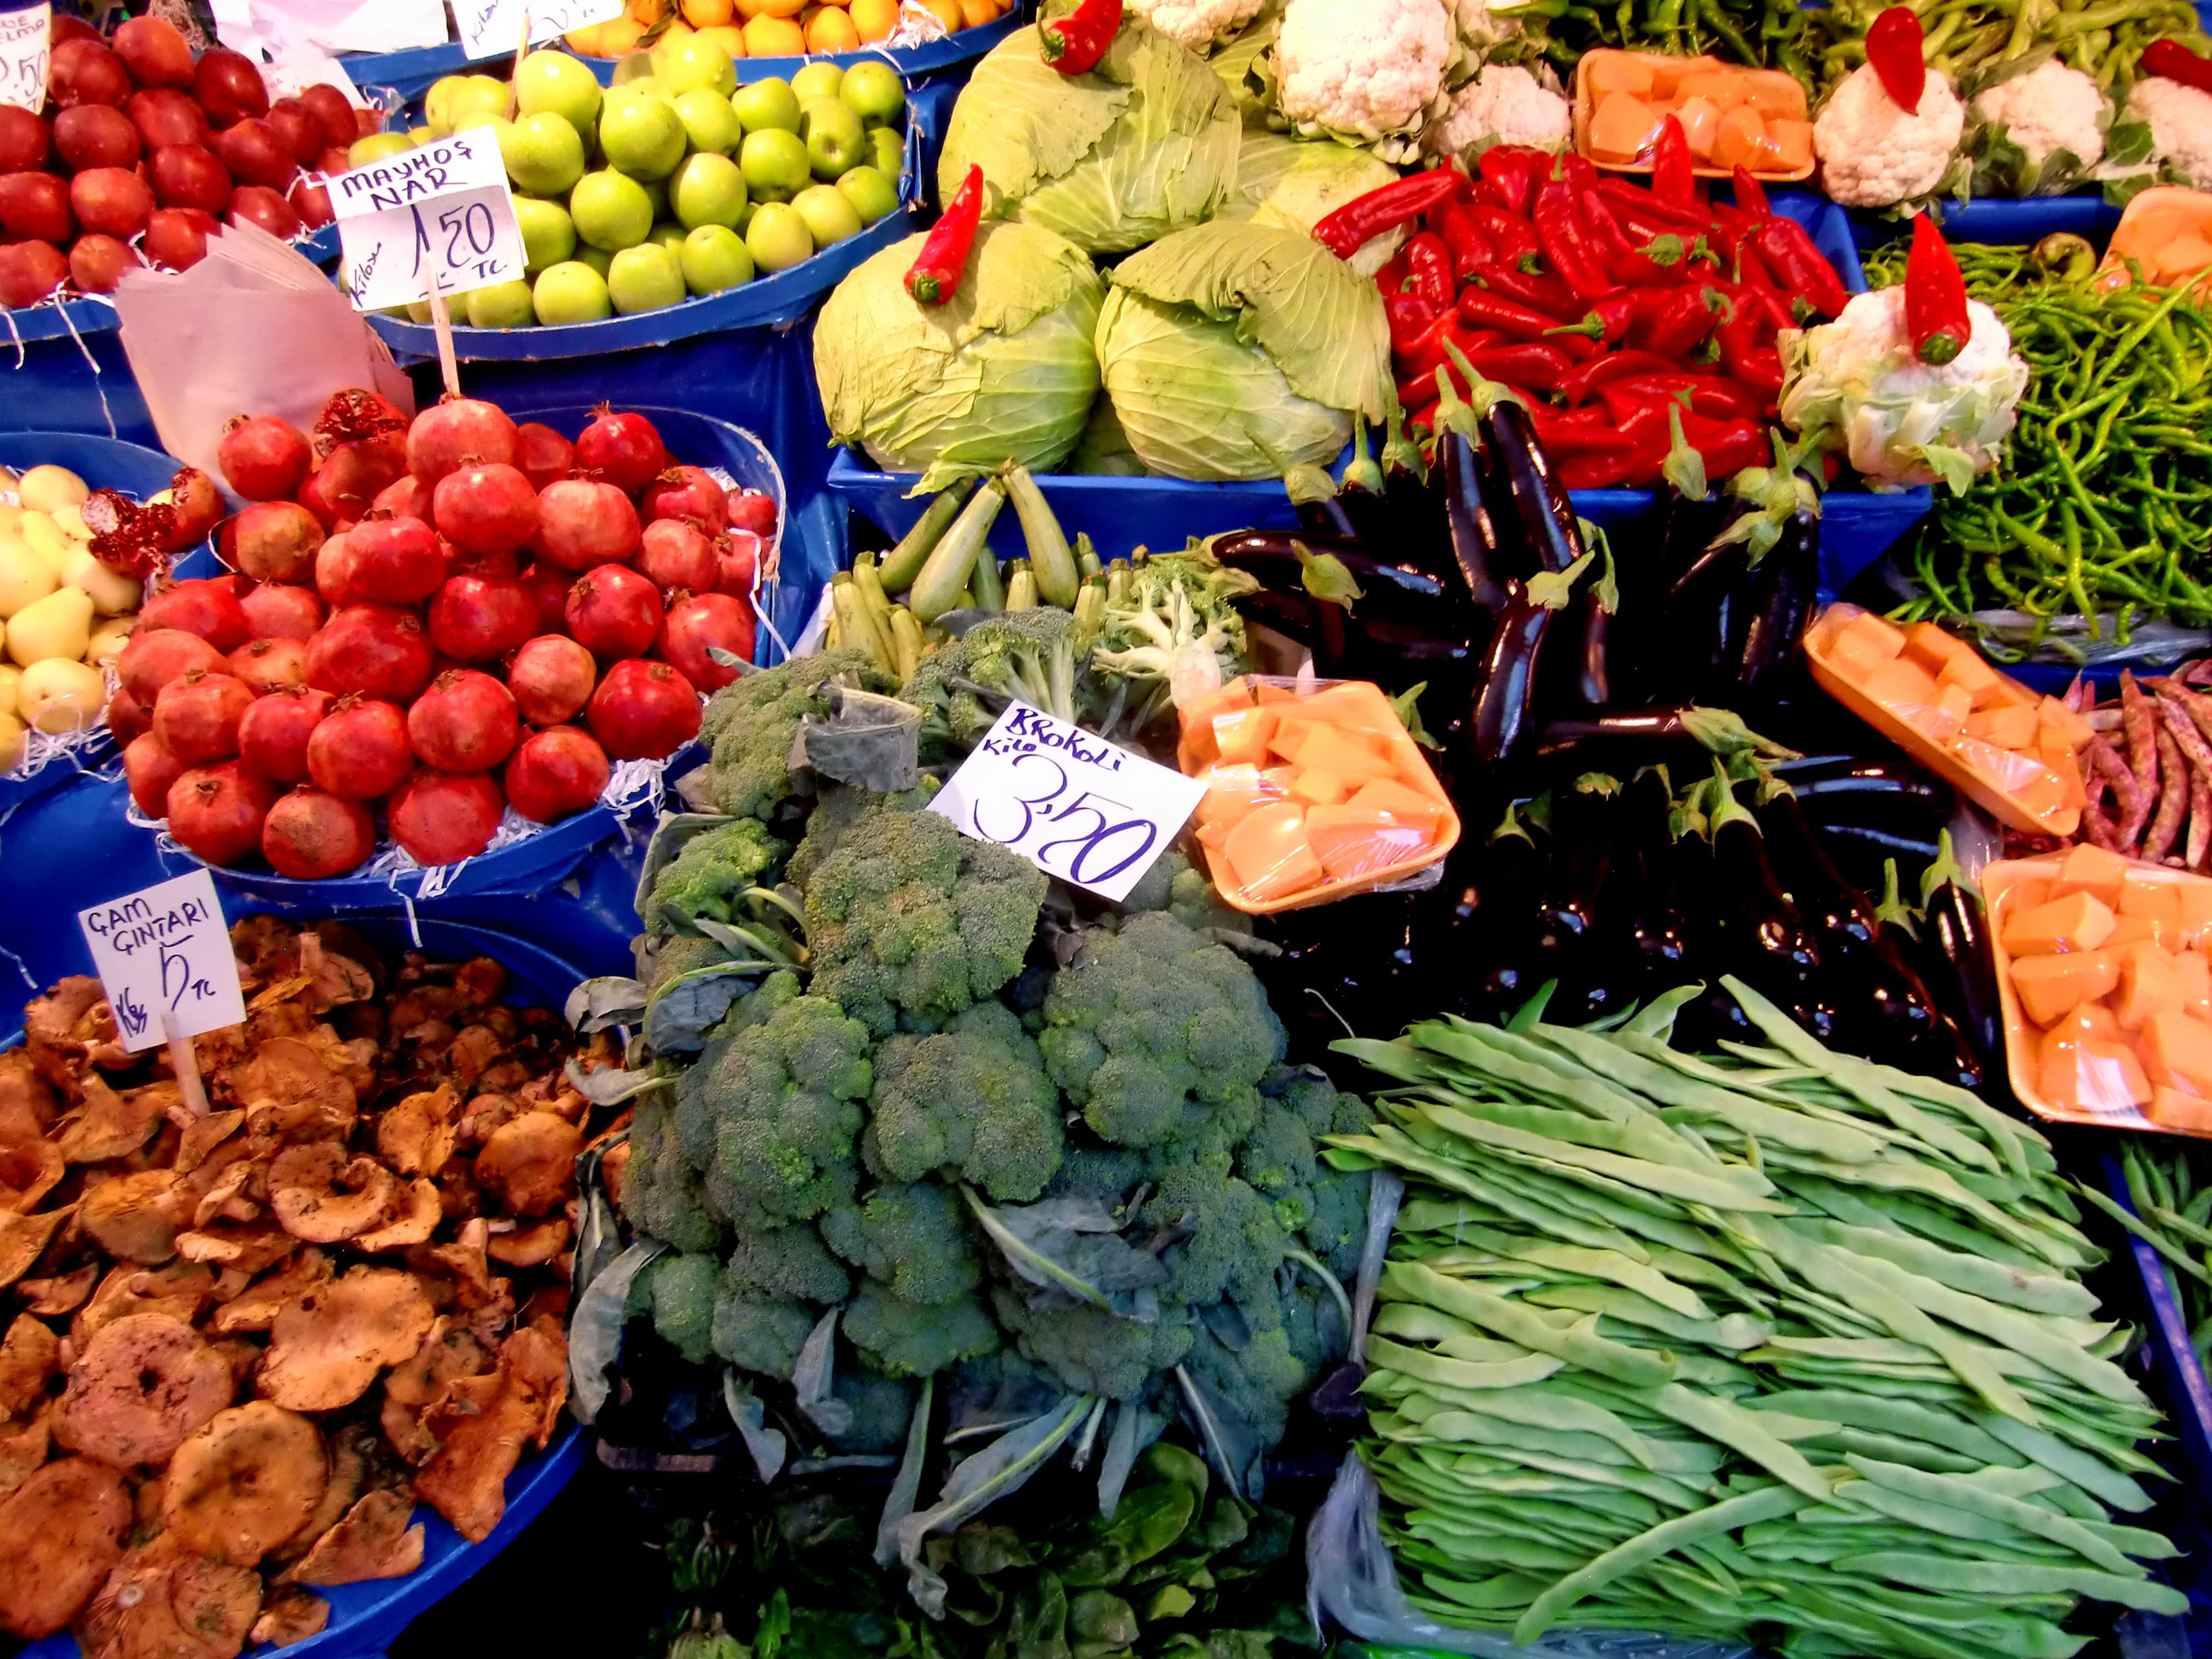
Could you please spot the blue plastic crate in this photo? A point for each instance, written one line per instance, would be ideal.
(2181, 1379)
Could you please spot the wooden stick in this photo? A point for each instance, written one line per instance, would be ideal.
(441, 320)
(184, 1061)
(514, 79)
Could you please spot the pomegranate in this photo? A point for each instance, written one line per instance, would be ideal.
(485, 509)
(150, 769)
(265, 208)
(86, 72)
(276, 541)
(266, 665)
(373, 651)
(199, 506)
(23, 140)
(332, 114)
(354, 475)
(465, 722)
(35, 205)
(643, 711)
(229, 87)
(272, 737)
(209, 608)
(355, 415)
(548, 586)
(311, 498)
(480, 619)
(165, 116)
(686, 492)
(96, 264)
(358, 750)
(542, 454)
(702, 620)
(215, 812)
(614, 613)
(556, 773)
(334, 161)
(94, 135)
(442, 817)
(738, 554)
(155, 656)
(674, 553)
(283, 611)
(551, 678)
(625, 450)
(263, 457)
(176, 238)
(502, 566)
(154, 52)
(127, 537)
(459, 432)
(112, 201)
(299, 132)
(310, 834)
(62, 27)
(582, 523)
(311, 202)
(185, 175)
(255, 153)
(128, 718)
(334, 571)
(196, 715)
(405, 497)
(752, 510)
(395, 561)
(30, 272)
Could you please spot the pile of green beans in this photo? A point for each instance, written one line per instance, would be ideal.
(1780, 1347)
(1965, 38)
(2170, 1184)
(1773, 33)
(2102, 506)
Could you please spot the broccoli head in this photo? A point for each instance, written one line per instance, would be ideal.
(660, 960)
(787, 1263)
(759, 1335)
(750, 723)
(1232, 1241)
(660, 1192)
(840, 807)
(909, 917)
(1256, 1382)
(709, 876)
(782, 1100)
(911, 1239)
(1187, 893)
(962, 687)
(970, 1103)
(913, 1339)
(682, 1292)
(1151, 1021)
(1091, 1350)
(1327, 1208)
(1174, 624)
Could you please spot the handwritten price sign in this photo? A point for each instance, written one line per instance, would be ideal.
(1072, 804)
(489, 29)
(163, 955)
(23, 55)
(441, 210)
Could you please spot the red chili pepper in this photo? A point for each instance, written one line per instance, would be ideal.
(1640, 442)
(1547, 293)
(1514, 172)
(1410, 317)
(1935, 315)
(1391, 279)
(1585, 378)
(935, 276)
(1674, 174)
(1751, 195)
(1728, 446)
(1515, 239)
(1758, 366)
(1530, 364)
(1659, 260)
(1429, 270)
(1429, 350)
(1365, 217)
(1893, 46)
(2170, 60)
(1565, 241)
(1611, 316)
(1564, 441)
(1675, 327)
(1482, 309)
(1469, 246)
(1621, 193)
(1709, 395)
(1075, 43)
(1801, 267)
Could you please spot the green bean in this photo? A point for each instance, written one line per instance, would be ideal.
(1966, 1496)
(2008, 1579)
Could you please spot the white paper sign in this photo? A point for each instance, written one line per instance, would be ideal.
(1070, 803)
(295, 67)
(490, 28)
(443, 208)
(23, 55)
(163, 955)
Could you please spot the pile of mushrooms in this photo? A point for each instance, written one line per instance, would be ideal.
(244, 1344)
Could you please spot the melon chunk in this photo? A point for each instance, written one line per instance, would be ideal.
(2177, 1051)
(2176, 1109)
(1352, 842)
(1268, 852)
(1901, 685)
(1241, 738)
(1931, 647)
(2079, 921)
(1622, 127)
(2149, 985)
(1347, 754)
(2194, 972)
(2087, 869)
(1316, 787)
(2077, 728)
(2196, 911)
(2049, 985)
(1405, 805)
(2093, 1077)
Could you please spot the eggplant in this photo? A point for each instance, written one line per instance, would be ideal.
(1693, 626)
(1541, 511)
(1779, 603)
(1864, 779)
(1486, 917)
(1643, 941)
(1955, 937)
(1327, 517)
(1751, 928)
(1476, 555)
(1593, 686)
(1501, 723)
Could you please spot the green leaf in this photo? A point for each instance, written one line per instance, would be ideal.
(595, 1328)
(687, 1007)
(1407, 706)
(610, 1085)
(1070, 1246)
(768, 1446)
(669, 835)
(1953, 467)
(1553, 588)
(1231, 1446)
(1326, 577)
(596, 1005)
(906, 1486)
(1134, 1429)
(814, 1375)
(1684, 467)
(1003, 1466)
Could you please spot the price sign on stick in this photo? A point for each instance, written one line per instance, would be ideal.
(440, 212)
(489, 28)
(23, 55)
(163, 955)
(1072, 804)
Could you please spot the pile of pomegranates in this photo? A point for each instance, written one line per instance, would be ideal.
(142, 151)
(444, 618)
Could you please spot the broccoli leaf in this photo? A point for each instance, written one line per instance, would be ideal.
(678, 1018)
(1134, 1429)
(1003, 1466)
(906, 1485)
(595, 1328)
(598, 1233)
(1071, 1246)
(599, 1004)
(610, 1085)
(1230, 1446)
(866, 739)
(768, 1446)
(669, 836)
(812, 1377)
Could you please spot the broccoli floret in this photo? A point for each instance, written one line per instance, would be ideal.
(661, 1192)
(882, 1408)
(757, 1334)
(1184, 891)
(778, 1263)
(840, 807)
(970, 1103)
(1256, 1382)
(682, 1296)
(1175, 616)
(909, 1238)
(1153, 1020)
(962, 687)
(1326, 1208)
(708, 878)
(1233, 1241)
(909, 916)
(1091, 1351)
(1107, 1173)
(749, 725)
(910, 1339)
(659, 960)
(783, 1100)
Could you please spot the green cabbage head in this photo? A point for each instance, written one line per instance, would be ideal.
(1143, 144)
(1004, 369)
(1298, 182)
(1240, 350)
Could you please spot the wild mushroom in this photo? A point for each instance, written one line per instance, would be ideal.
(356, 1454)
(449, 1351)
(530, 1247)
(30, 1355)
(112, 1123)
(31, 1165)
(68, 1028)
(481, 1423)
(160, 1602)
(133, 1217)
(48, 1297)
(143, 1382)
(326, 1347)
(373, 1541)
(417, 1134)
(290, 1615)
(251, 1245)
(60, 1531)
(23, 1448)
(22, 1090)
(319, 1195)
(256, 1307)
(288, 1093)
(203, 1134)
(413, 1219)
(222, 1189)
(24, 1238)
(176, 1291)
(530, 1165)
(472, 1051)
(244, 1482)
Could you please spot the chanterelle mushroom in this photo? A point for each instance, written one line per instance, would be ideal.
(325, 1348)
(142, 1383)
(60, 1531)
(530, 1165)
(413, 1219)
(373, 1541)
(318, 1194)
(245, 1482)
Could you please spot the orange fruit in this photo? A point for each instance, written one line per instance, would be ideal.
(832, 30)
(770, 36)
(585, 41)
(728, 36)
(620, 36)
(647, 12)
(676, 30)
(874, 19)
(709, 14)
(946, 12)
(974, 12)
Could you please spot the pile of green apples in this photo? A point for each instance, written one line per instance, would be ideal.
(675, 182)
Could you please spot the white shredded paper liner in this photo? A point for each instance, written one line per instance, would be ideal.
(45, 749)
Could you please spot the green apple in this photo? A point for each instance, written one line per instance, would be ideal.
(548, 235)
(709, 121)
(503, 305)
(691, 63)
(656, 192)
(887, 151)
(830, 216)
(418, 311)
(438, 102)
(467, 95)
(543, 154)
(774, 163)
(817, 80)
(746, 217)
(714, 258)
(645, 278)
(597, 257)
(778, 238)
(377, 147)
(633, 67)
(611, 210)
(554, 83)
(708, 189)
(418, 136)
(872, 194)
(761, 105)
(648, 85)
(642, 137)
(872, 88)
(836, 140)
(572, 292)
(668, 234)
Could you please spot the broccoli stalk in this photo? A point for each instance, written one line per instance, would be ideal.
(1022, 656)
(1170, 631)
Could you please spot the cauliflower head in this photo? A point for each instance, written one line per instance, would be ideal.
(1481, 27)
(1368, 70)
(2180, 120)
(1200, 25)
(1854, 385)
(1873, 154)
(2049, 109)
(1504, 103)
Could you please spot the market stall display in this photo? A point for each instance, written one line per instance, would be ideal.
(776, 28)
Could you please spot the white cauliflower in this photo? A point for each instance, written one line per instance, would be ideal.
(2180, 120)
(1873, 154)
(1504, 103)
(1201, 25)
(2049, 109)
(1480, 27)
(1368, 70)
(1854, 385)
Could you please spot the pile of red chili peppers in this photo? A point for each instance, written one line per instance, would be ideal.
(1604, 304)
